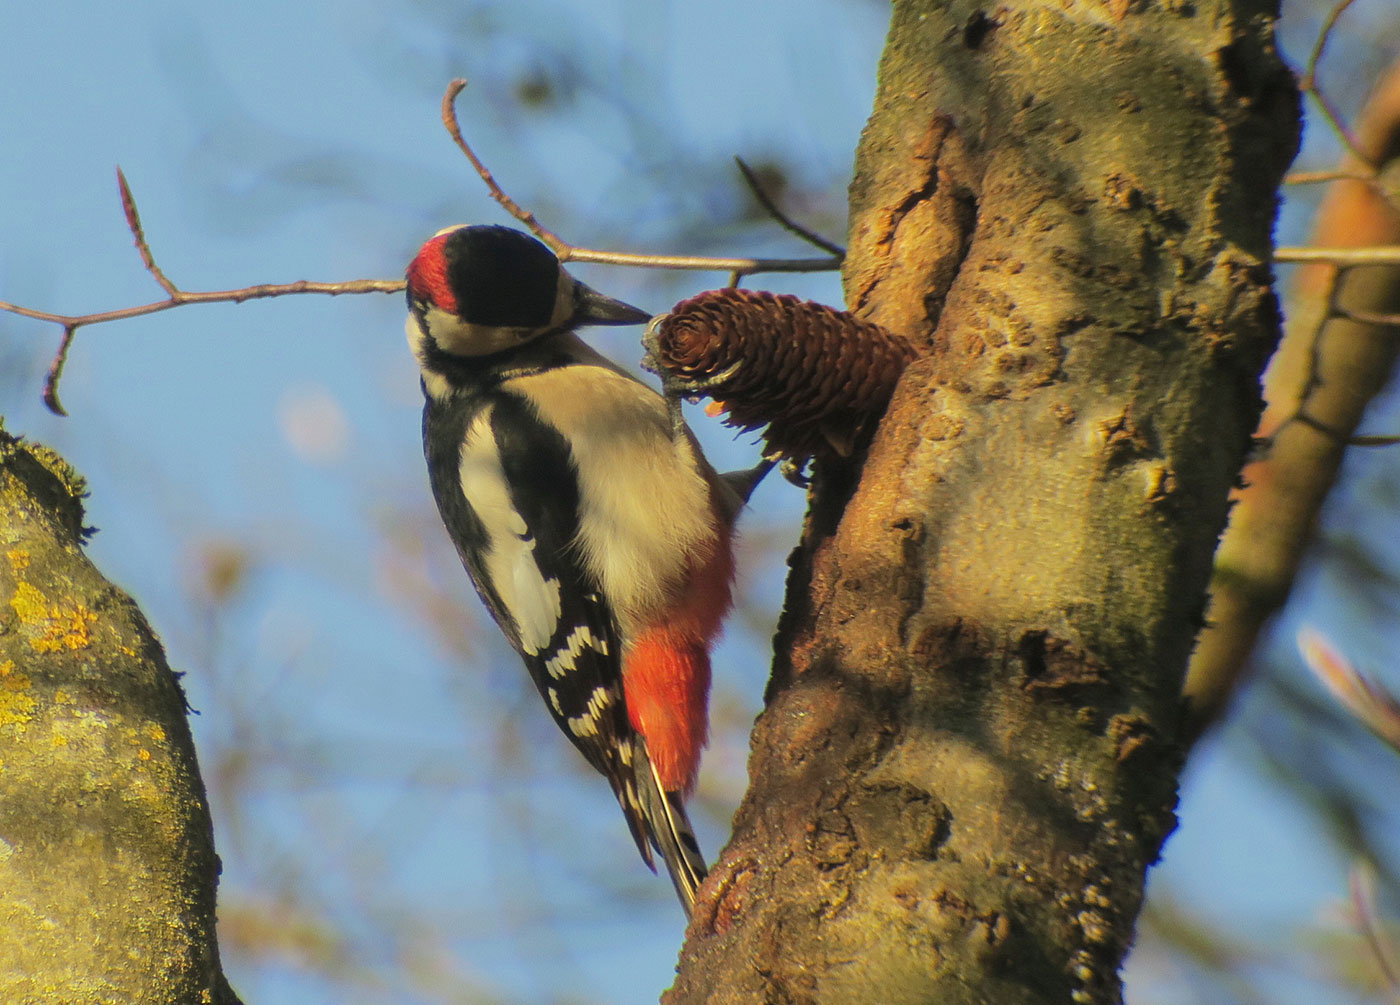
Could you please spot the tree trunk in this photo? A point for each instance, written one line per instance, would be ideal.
(968, 757)
(107, 864)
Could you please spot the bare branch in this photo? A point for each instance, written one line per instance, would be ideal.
(788, 223)
(738, 267)
(176, 298)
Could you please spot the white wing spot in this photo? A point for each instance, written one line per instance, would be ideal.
(587, 723)
(598, 700)
(566, 658)
(530, 600)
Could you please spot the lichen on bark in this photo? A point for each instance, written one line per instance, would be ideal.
(107, 864)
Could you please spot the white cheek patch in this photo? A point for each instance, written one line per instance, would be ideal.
(434, 383)
(530, 600)
(462, 338)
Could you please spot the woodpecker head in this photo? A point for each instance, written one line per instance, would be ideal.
(476, 291)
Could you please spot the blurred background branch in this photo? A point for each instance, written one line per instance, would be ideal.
(1327, 370)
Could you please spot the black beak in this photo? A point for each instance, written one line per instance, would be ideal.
(592, 308)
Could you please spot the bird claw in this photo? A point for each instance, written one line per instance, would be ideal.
(701, 386)
(673, 387)
(791, 469)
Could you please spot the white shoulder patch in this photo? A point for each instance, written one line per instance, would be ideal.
(531, 600)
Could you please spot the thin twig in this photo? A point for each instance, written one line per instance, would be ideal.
(56, 371)
(1369, 317)
(449, 119)
(1372, 440)
(1320, 177)
(771, 207)
(1309, 84)
(572, 253)
(699, 263)
(133, 222)
(1385, 254)
(181, 297)
(176, 297)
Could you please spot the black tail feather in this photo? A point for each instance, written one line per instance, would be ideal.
(658, 821)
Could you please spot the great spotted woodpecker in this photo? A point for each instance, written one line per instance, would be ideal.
(595, 532)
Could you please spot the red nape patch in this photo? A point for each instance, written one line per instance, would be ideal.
(427, 275)
(666, 680)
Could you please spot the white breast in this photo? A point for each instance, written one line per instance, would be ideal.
(645, 508)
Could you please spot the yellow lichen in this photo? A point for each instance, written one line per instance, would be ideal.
(17, 704)
(29, 603)
(63, 626)
(19, 559)
(156, 732)
(143, 754)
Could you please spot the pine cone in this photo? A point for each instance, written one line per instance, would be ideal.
(812, 374)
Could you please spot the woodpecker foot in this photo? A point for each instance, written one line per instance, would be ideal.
(701, 386)
(792, 470)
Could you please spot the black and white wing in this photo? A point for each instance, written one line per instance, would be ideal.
(509, 496)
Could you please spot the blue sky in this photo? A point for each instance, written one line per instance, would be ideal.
(380, 774)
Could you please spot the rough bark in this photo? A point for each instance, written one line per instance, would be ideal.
(107, 864)
(967, 761)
